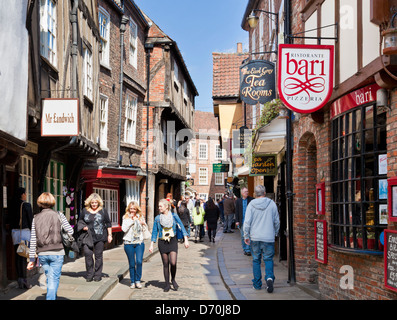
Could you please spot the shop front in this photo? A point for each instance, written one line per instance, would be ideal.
(341, 169)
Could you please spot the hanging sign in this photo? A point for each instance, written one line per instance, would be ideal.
(257, 82)
(263, 165)
(305, 76)
(60, 117)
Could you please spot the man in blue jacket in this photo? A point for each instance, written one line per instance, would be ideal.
(241, 208)
(261, 226)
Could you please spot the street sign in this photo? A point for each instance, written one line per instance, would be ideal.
(305, 76)
(257, 82)
(220, 167)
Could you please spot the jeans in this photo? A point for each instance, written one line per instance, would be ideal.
(259, 249)
(245, 246)
(52, 266)
(135, 257)
(228, 222)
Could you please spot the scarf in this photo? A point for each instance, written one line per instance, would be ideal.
(166, 220)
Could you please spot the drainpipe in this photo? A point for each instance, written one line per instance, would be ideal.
(291, 267)
(124, 21)
(73, 20)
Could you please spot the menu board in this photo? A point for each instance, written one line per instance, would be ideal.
(320, 235)
(390, 258)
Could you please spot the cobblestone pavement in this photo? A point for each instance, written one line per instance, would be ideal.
(197, 275)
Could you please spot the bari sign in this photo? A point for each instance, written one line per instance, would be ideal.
(257, 82)
(305, 76)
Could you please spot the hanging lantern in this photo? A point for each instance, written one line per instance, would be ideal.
(390, 38)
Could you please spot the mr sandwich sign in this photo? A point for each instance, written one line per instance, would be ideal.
(305, 76)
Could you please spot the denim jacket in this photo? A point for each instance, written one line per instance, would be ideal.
(158, 230)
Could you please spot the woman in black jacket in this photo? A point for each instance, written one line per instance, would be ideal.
(211, 216)
(184, 215)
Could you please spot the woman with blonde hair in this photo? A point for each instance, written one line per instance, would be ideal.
(46, 241)
(165, 228)
(133, 227)
(95, 221)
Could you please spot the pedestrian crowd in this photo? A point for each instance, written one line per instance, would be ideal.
(45, 232)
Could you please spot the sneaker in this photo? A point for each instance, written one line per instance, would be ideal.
(138, 285)
(269, 283)
(132, 286)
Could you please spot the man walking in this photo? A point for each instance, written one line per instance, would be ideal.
(261, 226)
(241, 207)
(229, 209)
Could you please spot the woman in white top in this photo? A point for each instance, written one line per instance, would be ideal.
(133, 226)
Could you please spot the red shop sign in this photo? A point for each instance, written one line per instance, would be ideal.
(354, 99)
(305, 76)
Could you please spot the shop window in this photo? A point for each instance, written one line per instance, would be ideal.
(358, 178)
(110, 203)
(132, 191)
(26, 174)
(55, 181)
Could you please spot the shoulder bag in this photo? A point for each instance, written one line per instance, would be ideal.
(67, 239)
(23, 247)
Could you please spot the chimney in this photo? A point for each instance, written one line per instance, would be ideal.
(239, 47)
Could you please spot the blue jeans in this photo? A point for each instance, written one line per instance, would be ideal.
(246, 247)
(52, 266)
(135, 257)
(265, 249)
(228, 222)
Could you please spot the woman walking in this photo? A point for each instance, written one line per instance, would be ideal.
(46, 240)
(164, 228)
(198, 220)
(21, 219)
(133, 226)
(211, 216)
(94, 219)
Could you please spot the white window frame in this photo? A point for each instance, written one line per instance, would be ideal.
(133, 52)
(87, 72)
(218, 152)
(103, 120)
(218, 196)
(203, 154)
(132, 191)
(104, 29)
(219, 178)
(48, 30)
(26, 173)
(203, 195)
(110, 198)
(203, 180)
(131, 108)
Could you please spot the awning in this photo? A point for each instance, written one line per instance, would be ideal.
(271, 138)
(109, 173)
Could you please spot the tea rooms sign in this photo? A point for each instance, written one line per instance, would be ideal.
(305, 76)
(257, 82)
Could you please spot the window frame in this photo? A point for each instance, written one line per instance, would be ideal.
(202, 182)
(105, 35)
(48, 30)
(201, 157)
(130, 124)
(350, 160)
(112, 206)
(133, 47)
(87, 72)
(26, 174)
(103, 121)
(221, 176)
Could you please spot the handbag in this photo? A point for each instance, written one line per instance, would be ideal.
(179, 233)
(146, 233)
(67, 239)
(20, 234)
(23, 247)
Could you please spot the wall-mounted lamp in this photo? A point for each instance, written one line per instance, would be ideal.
(253, 19)
(382, 99)
(390, 38)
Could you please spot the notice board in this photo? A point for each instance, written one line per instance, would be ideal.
(390, 258)
(320, 241)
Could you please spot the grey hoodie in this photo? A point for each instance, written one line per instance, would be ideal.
(262, 221)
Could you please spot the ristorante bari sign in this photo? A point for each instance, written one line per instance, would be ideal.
(305, 76)
(257, 82)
